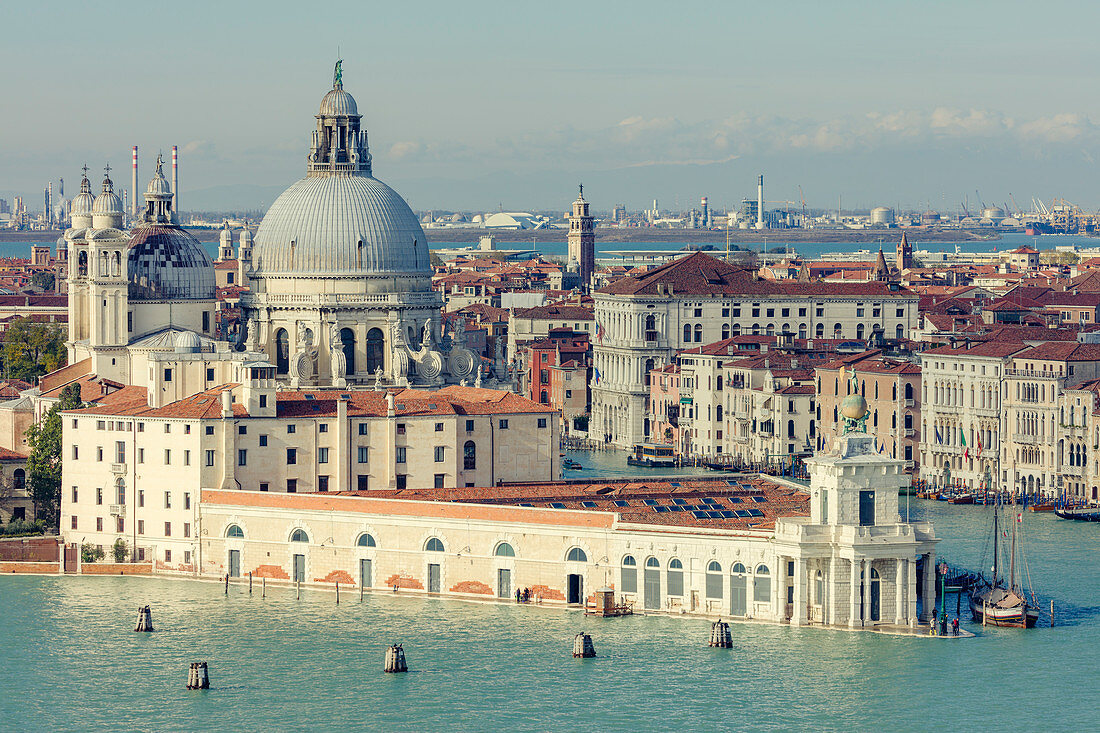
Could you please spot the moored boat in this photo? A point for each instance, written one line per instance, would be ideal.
(1046, 506)
(961, 499)
(999, 600)
(1081, 513)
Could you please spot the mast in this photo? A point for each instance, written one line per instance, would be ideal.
(1012, 557)
(996, 534)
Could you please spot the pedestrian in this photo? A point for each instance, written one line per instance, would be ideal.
(519, 593)
(955, 626)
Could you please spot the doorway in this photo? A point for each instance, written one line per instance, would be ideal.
(365, 573)
(504, 583)
(433, 578)
(299, 568)
(739, 587)
(576, 589)
(876, 592)
(234, 563)
(652, 585)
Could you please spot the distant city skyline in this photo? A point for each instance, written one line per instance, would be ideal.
(476, 106)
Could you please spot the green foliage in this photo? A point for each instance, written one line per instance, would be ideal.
(31, 349)
(43, 280)
(119, 550)
(434, 259)
(91, 553)
(22, 528)
(580, 423)
(44, 463)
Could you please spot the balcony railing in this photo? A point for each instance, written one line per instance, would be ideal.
(1032, 373)
(116, 509)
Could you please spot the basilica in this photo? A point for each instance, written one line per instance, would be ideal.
(338, 276)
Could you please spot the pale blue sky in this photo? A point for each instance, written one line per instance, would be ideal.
(474, 104)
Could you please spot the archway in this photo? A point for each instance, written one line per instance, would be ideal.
(347, 345)
(376, 343)
(282, 351)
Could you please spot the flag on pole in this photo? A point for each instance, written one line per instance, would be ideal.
(599, 331)
(596, 372)
(939, 438)
(962, 439)
(980, 446)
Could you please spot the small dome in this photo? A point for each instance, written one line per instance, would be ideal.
(108, 202)
(166, 263)
(158, 186)
(338, 103)
(84, 201)
(188, 342)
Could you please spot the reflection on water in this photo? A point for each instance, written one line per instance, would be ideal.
(70, 659)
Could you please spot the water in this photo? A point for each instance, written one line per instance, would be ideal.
(70, 660)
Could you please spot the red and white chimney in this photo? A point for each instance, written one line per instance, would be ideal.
(134, 205)
(175, 185)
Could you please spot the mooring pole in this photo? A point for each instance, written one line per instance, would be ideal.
(250, 582)
(297, 590)
(337, 592)
(1052, 614)
(227, 583)
(263, 588)
(360, 590)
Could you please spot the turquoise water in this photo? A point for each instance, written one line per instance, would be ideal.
(70, 660)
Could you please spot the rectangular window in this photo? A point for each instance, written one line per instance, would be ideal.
(141, 526)
(292, 486)
(439, 427)
(290, 429)
(187, 458)
(362, 428)
(439, 479)
(98, 496)
(322, 455)
(187, 500)
(322, 483)
(167, 556)
(209, 458)
(141, 455)
(503, 424)
(362, 454)
(186, 529)
(209, 430)
(400, 454)
(141, 427)
(141, 497)
(167, 499)
(167, 427)
(206, 320)
(469, 426)
(167, 529)
(167, 456)
(263, 487)
(400, 428)
(542, 422)
(401, 480)
(263, 441)
(242, 457)
(866, 508)
(323, 427)
(99, 453)
(361, 482)
(291, 456)
(187, 430)
(242, 430)
(209, 375)
(167, 375)
(74, 494)
(99, 524)
(440, 454)
(263, 400)
(76, 453)
(100, 425)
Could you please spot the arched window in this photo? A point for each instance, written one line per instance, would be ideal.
(347, 345)
(698, 333)
(649, 365)
(544, 398)
(434, 544)
(725, 331)
(819, 331)
(469, 456)
(674, 576)
(714, 579)
(282, 351)
(234, 530)
(687, 333)
(376, 345)
(738, 569)
(650, 323)
(819, 588)
(859, 331)
(836, 330)
(802, 331)
(504, 550)
(899, 332)
(737, 329)
(365, 540)
(19, 477)
(576, 555)
(762, 585)
(629, 575)
(299, 535)
(909, 391)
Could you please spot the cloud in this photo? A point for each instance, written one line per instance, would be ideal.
(404, 149)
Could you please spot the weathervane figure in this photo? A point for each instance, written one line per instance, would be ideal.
(338, 74)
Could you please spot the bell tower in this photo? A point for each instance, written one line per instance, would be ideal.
(905, 254)
(582, 239)
(225, 244)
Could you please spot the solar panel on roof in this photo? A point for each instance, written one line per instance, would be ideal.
(714, 515)
(755, 513)
(709, 500)
(760, 499)
(620, 502)
(526, 504)
(674, 483)
(557, 505)
(676, 508)
(728, 514)
(649, 502)
(681, 502)
(731, 482)
(588, 503)
(746, 486)
(700, 515)
(743, 513)
(733, 499)
(660, 509)
(309, 396)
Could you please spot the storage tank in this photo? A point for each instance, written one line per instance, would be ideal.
(882, 215)
(996, 213)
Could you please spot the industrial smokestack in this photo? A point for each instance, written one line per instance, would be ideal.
(48, 204)
(760, 202)
(706, 214)
(175, 186)
(133, 188)
(61, 188)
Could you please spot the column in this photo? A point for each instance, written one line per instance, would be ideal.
(829, 608)
(798, 616)
(779, 588)
(899, 589)
(929, 585)
(865, 584)
(853, 594)
(911, 596)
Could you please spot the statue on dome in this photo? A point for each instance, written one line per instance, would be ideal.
(338, 73)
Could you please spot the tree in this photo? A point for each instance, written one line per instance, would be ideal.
(746, 259)
(43, 280)
(44, 463)
(32, 349)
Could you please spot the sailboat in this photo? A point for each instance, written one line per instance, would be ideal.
(1001, 601)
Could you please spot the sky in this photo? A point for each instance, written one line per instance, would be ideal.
(476, 106)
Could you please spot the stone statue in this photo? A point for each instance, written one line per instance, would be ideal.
(338, 73)
(498, 355)
(426, 335)
(477, 381)
(378, 378)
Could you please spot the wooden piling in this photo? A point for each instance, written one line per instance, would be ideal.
(227, 583)
(197, 677)
(360, 591)
(298, 590)
(720, 635)
(337, 592)
(395, 659)
(249, 582)
(583, 647)
(145, 619)
(1052, 614)
(263, 588)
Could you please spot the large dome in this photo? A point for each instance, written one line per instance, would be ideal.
(340, 225)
